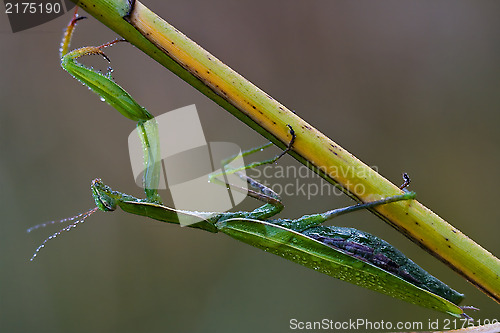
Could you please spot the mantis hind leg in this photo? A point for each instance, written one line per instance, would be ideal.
(213, 177)
(259, 191)
(258, 149)
(308, 221)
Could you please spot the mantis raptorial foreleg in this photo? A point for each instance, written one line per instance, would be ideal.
(116, 96)
(345, 253)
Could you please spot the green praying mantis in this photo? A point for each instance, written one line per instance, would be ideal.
(344, 253)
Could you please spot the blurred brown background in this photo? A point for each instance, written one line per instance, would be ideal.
(404, 85)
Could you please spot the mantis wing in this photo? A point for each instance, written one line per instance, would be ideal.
(339, 264)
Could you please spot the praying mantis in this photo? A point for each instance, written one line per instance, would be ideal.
(344, 253)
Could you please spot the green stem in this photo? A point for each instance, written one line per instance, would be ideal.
(261, 112)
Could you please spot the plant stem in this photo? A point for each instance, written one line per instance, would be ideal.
(261, 112)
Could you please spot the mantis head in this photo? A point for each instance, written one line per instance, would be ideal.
(103, 196)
